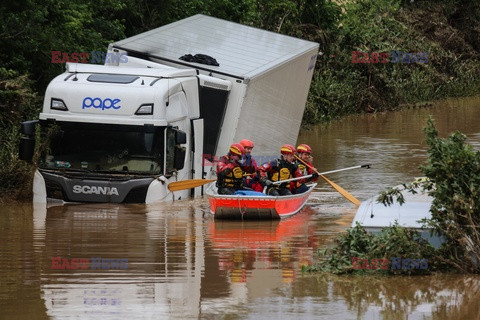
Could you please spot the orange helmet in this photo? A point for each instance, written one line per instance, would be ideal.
(237, 149)
(304, 148)
(246, 143)
(287, 149)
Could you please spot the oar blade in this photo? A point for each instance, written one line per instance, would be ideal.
(342, 191)
(335, 186)
(188, 184)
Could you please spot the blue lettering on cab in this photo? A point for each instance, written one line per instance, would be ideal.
(98, 103)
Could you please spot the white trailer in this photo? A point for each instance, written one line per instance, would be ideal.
(121, 132)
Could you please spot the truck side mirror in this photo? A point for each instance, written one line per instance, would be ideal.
(179, 157)
(26, 149)
(180, 137)
(27, 142)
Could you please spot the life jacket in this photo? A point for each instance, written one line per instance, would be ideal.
(283, 170)
(302, 168)
(233, 179)
(249, 164)
(305, 171)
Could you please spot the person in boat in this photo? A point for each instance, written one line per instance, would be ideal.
(249, 167)
(304, 162)
(229, 170)
(277, 170)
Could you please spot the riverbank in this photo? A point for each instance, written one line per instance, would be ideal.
(361, 71)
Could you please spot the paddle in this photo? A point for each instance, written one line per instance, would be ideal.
(188, 184)
(335, 186)
(193, 183)
(321, 173)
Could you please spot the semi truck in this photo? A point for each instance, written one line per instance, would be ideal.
(173, 100)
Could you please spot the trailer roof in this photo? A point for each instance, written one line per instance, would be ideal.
(242, 51)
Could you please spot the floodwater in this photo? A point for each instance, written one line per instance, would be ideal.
(174, 261)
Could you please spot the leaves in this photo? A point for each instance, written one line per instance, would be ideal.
(452, 178)
(453, 166)
(452, 173)
(358, 244)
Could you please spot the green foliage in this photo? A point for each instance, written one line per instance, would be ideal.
(324, 14)
(452, 179)
(334, 93)
(452, 174)
(17, 99)
(142, 15)
(391, 242)
(387, 197)
(453, 170)
(18, 102)
(443, 29)
(15, 176)
(32, 29)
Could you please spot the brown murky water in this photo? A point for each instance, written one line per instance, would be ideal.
(177, 262)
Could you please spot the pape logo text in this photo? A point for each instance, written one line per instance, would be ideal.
(98, 103)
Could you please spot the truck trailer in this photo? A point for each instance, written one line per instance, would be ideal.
(165, 104)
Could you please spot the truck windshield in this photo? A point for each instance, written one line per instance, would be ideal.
(103, 148)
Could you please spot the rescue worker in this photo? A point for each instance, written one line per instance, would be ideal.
(229, 170)
(280, 169)
(249, 164)
(304, 152)
(249, 167)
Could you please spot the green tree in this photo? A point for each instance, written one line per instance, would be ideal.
(18, 102)
(32, 29)
(453, 172)
(453, 180)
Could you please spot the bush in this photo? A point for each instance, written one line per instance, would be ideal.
(452, 174)
(392, 242)
(18, 102)
(452, 179)
(341, 87)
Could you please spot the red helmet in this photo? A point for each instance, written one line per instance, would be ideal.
(304, 148)
(237, 149)
(246, 143)
(287, 149)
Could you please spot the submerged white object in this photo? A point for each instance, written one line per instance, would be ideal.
(374, 216)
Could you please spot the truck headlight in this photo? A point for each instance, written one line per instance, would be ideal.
(145, 109)
(57, 104)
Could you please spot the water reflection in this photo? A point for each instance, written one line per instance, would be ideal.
(19, 264)
(246, 248)
(183, 264)
(438, 296)
(163, 247)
